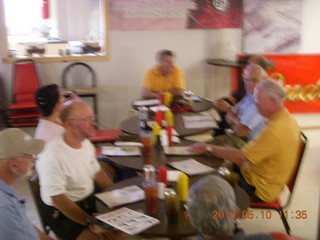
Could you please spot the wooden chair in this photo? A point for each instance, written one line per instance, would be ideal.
(34, 187)
(283, 236)
(276, 205)
(80, 78)
(23, 111)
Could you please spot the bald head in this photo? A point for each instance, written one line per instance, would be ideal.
(79, 122)
(253, 74)
(74, 110)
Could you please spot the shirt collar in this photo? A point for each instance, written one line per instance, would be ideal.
(5, 188)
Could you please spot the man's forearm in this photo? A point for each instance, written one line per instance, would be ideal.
(231, 118)
(177, 92)
(69, 209)
(102, 180)
(231, 154)
(147, 93)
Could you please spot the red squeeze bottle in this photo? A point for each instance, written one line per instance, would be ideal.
(169, 133)
(161, 98)
(159, 117)
(162, 175)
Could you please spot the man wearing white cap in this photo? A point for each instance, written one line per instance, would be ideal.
(17, 150)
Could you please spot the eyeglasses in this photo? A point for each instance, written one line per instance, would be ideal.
(88, 119)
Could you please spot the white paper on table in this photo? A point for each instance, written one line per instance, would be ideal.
(174, 132)
(160, 107)
(128, 144)
(147, 102)
(121, 151)
(199, 121)
(195, 98)
(128, 220)
(173, 175)
(122, 196)
(191, 167)
(178, 150)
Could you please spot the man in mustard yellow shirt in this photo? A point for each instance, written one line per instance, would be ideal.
(165, 77)
(267, 162)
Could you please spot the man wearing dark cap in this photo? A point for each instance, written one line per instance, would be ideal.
(17, 150)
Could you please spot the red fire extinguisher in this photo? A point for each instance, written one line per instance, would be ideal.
(45, 9)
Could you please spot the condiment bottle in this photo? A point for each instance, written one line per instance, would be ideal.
(159, 117)
(171, 202)
(149, 186)
(169, 119)
(162, 181)
(145, 134)
(183, 187)
(156, 129)
(167, 99)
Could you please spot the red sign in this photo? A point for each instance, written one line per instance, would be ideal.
(300, 75)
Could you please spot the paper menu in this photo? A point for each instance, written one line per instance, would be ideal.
(160, 107)
(128, 221)
(128, 144)
(191, 167)
(195, 98)
(121, 196)
(199, 121)
(147, 102)
(173, 175)
(178, 150)
(121, 151)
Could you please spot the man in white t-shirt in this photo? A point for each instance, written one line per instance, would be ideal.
(68, 171)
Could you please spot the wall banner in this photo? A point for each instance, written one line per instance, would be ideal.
(300, 75)
(174, 14)
(272, 26)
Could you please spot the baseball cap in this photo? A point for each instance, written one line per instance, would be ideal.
(14, 141)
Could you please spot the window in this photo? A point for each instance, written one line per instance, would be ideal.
(54, 30)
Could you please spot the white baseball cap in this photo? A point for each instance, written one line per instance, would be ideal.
(14, 141)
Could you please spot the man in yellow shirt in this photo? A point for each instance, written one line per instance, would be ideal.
(267, 162)
(165, 77)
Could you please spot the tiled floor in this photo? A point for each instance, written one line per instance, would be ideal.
(306, 198)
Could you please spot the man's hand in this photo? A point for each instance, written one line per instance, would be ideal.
(198, 148)
(222, 105)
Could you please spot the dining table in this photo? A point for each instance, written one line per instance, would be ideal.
(178, 229)
(199, 104)
(160, 158)
(131, 125)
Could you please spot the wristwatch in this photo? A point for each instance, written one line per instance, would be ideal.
(209, 149)
(89, 220)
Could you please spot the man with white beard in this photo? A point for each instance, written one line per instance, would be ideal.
(17, 150)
